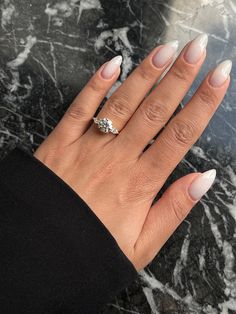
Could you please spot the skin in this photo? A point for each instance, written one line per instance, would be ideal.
(112, 173)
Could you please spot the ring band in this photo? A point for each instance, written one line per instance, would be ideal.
(105, 125)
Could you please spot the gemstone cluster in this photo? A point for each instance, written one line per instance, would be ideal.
(105, 125)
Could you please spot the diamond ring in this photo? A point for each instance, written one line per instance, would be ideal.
(105, 125)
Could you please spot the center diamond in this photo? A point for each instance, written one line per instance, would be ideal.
(105, 125)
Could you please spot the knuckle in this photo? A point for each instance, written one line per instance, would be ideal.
(118, 105)
(154, 112)
(145, 73)
(178, 207)
(182, 132)
(182, 72)
(77, 112)
(207, 97)
(96, 87)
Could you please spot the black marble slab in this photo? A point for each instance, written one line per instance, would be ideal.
(48, 51)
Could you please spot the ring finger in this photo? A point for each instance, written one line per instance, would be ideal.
(124, 101)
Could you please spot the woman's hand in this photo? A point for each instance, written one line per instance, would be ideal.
(112, 173)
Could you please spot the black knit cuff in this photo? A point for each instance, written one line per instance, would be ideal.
(64, 242)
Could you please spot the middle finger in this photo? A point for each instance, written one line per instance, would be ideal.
(157, 108)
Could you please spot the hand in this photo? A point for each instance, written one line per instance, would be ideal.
(113, 173)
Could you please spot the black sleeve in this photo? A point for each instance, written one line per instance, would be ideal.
(56, 256)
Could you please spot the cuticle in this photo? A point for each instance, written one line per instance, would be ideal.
(187, 189)
(100, 73)
(200, 60)
(215, 87)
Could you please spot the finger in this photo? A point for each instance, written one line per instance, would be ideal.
(160, 159)
(158, 107)
(77, 117)
(124, 101)
(168, 213)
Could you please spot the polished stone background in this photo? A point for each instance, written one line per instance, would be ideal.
(48, 51)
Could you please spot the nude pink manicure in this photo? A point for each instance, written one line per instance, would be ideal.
(221, 73)
(202, 184)
(111, 67)
(196, 48)
(163, 55)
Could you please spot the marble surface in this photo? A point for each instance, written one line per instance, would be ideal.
(48, 51)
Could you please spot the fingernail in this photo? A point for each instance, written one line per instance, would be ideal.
(221, 73)
(111, 67)
(196, 48)
(202, 184)
(163, 55)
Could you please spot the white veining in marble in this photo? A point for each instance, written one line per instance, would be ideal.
(48, 50)
(8, 10)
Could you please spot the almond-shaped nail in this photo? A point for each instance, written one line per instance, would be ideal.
(221, 73)
(196, 48)
(202, 184)
(163, 55)
(111, 67)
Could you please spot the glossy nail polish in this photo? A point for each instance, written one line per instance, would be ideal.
(163, 55)
(202, 184)
(196, 48)
(221, 73)
(111, 67)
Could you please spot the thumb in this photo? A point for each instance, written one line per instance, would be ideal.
(168, 212)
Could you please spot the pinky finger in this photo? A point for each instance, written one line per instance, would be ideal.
(168, 213)
(78, 116)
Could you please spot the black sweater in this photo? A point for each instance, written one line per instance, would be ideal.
(56, 256)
